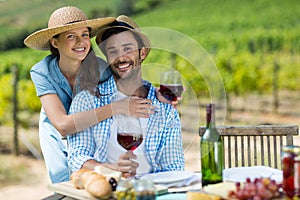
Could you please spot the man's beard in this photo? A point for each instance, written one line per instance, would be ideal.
(136, 67)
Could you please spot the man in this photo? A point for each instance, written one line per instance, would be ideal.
(125, 48)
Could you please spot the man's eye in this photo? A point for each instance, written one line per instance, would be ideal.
(111, 52)
(128, 49)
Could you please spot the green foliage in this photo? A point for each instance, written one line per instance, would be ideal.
(6, 98)
(240, 72)
(28, 101)
(24, 58)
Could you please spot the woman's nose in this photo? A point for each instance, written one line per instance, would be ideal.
(79, 39)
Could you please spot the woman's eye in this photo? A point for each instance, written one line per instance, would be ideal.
(71, 36)
(86, 35)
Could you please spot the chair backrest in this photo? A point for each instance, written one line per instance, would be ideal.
(255, 145)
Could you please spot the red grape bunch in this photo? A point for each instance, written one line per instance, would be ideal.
(259, 189)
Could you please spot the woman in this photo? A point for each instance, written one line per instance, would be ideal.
(68, 38)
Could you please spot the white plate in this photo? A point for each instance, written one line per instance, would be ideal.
(239, 174)
(168, 177)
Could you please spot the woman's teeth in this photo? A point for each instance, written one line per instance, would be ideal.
(79, 49)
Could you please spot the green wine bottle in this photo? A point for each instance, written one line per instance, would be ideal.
(211, 145)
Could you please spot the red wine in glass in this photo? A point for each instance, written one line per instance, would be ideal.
(171, 91)
(129, 141)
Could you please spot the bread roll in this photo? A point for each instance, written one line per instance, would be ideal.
(94, 183)
(76, 179)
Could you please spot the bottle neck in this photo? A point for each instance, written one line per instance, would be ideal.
(210, 116)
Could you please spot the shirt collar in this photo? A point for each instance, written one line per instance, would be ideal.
(58, 76)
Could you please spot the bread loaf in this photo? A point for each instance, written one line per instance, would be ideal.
(94, 183)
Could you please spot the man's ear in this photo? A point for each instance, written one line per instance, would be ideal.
(53, 42)
(143, 53)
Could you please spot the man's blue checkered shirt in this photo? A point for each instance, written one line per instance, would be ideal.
(163, 145)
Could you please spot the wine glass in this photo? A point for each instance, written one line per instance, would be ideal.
(129, 133)
(171, 88)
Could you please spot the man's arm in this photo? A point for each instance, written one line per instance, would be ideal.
(81, 146)
(125, 164)
(173, 155)
(91, 164)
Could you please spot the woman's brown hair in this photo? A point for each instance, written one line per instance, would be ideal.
(88, 75)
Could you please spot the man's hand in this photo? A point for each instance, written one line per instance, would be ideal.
(126, 165)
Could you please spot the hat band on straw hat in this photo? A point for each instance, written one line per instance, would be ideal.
(74, 22)
(116, 23)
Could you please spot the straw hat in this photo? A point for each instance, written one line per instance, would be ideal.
(61, 20)
(126, 22)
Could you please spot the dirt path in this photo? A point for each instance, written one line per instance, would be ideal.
(29, 190)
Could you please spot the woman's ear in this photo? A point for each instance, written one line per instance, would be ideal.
(53, 42)
(143, 53)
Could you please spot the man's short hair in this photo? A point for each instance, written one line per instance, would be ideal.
(116, 30)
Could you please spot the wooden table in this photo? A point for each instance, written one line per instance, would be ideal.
(173, 196)
(66, 191)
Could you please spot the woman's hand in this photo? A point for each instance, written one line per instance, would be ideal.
(133, 106)
(126, 165)
(161, 98)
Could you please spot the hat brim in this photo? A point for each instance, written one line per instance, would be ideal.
(39, 40)
(136, 30)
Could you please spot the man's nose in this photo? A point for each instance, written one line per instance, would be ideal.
(121, 54)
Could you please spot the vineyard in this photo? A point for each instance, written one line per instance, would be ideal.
(254, 45)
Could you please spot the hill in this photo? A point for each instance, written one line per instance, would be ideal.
(15, 16)
(204, 21)
(222, 23)
(33, 14)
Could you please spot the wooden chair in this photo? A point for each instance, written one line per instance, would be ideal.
(255, 145)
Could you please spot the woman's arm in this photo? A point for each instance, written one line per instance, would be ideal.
(69, 124)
